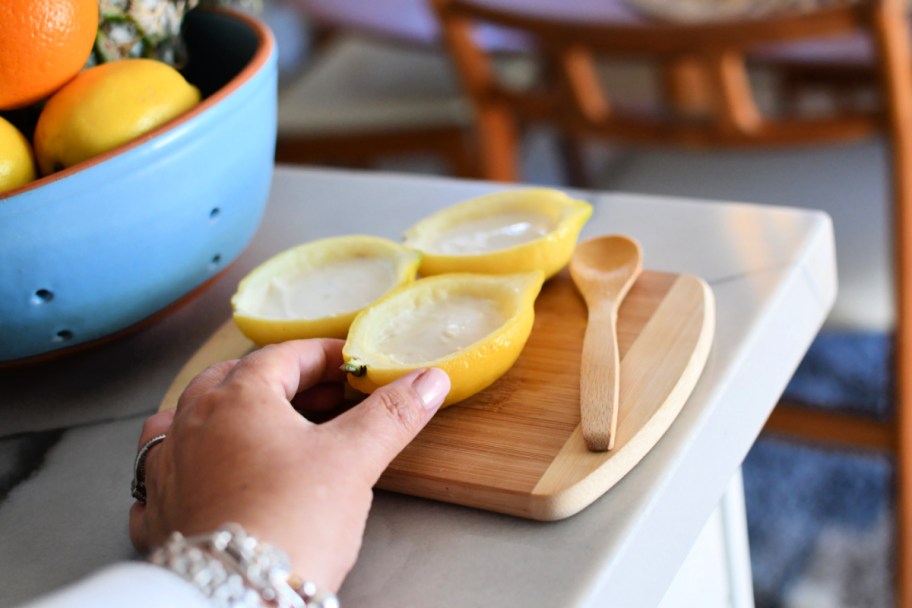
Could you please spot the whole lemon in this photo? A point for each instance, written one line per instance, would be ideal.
(17, 167)
(107, 106)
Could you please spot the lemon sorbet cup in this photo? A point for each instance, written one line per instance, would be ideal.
(501, 233)
(315, 290)
(472, 326)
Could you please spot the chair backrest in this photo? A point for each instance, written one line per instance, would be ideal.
(573, 98)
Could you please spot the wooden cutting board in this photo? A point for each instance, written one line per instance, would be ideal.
(516, 447)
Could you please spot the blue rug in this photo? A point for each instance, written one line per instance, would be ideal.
(818, 515)
(846, 371)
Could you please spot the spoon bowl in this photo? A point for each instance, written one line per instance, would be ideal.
(603, 270)
(604, 265)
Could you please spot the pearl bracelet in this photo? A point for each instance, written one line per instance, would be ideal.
(234, 570)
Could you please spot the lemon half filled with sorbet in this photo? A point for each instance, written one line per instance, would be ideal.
(501, 233)
(472, 326)
(315, 290)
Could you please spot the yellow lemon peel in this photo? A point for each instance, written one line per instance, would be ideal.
(107, 106)
(501, 233)
(473, 326)
(17, 167)
(315, 290)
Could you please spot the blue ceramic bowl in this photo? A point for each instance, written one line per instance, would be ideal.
(103, 246)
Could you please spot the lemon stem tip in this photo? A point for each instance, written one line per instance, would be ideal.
(354, 367)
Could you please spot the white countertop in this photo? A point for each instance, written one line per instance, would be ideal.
(68, 429)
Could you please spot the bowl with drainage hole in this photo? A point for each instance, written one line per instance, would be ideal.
(110, 244)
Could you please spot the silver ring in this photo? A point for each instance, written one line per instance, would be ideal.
(138, 486)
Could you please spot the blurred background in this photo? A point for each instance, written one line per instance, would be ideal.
(377, 87)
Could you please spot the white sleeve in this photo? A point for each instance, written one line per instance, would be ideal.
(133, 584)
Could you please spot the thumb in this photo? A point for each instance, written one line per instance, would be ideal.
(383, 424)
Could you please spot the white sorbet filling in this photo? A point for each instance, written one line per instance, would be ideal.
(432, 332)
(314, 293)
(492, 233)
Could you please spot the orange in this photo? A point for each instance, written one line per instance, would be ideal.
(43, 44)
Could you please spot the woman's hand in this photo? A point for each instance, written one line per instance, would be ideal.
(238, 451)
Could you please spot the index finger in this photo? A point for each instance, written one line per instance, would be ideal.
(291, 367)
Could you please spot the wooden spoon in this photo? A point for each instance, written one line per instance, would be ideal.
(603, 269)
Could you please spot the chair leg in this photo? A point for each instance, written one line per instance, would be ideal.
(902, 170)
(685, 86)
(892, 37)
(574, 161)
(498, 144)
(903, 477)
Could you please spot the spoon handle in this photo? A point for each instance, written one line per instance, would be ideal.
(600, 379)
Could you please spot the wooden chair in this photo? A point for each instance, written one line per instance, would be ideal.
(380, 87)
(720, 111)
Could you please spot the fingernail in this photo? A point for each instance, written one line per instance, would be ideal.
(432, 386)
